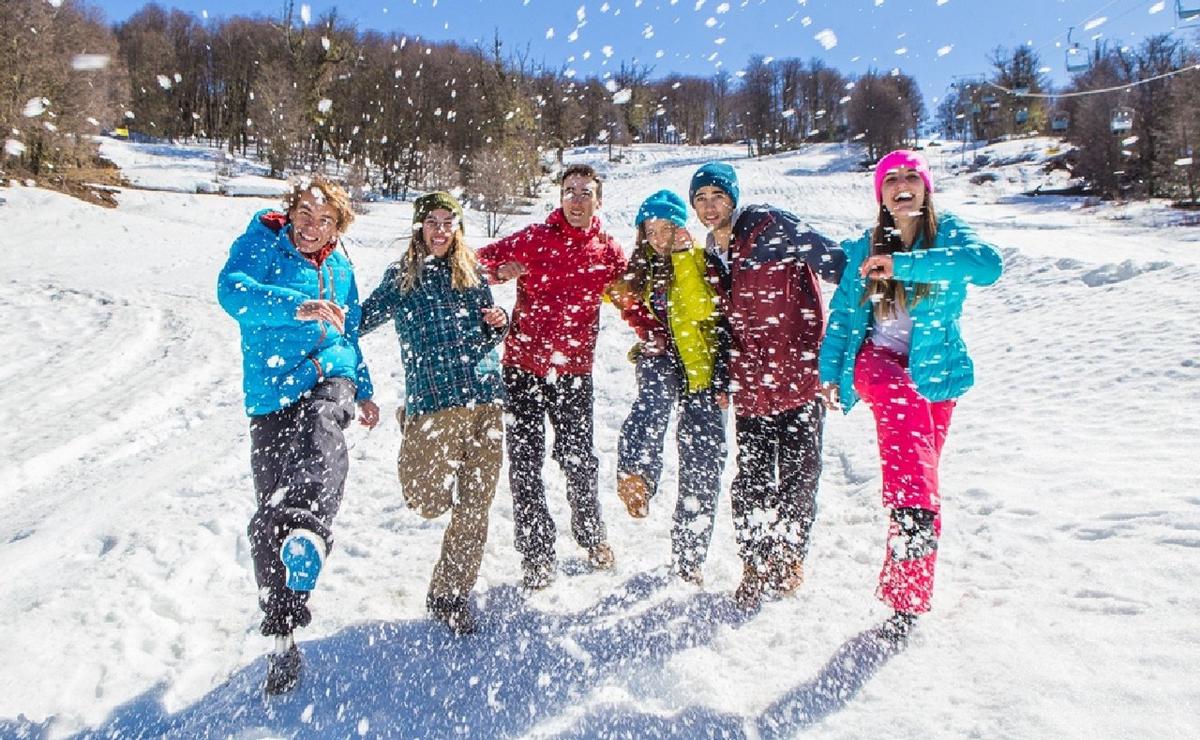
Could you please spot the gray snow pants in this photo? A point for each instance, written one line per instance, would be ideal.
(299, 460)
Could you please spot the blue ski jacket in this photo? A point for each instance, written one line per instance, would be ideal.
(938, 360)
(262, 284)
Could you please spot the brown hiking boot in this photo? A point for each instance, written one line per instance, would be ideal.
(749, 592)
(454, 612)
(786, 576)
(690, 574)
(632, 490)
(600, 556)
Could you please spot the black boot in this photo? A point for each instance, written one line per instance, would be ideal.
(896, 628)
(452, 611)
(283, 666)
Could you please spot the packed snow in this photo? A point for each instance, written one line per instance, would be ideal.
(1065, 604)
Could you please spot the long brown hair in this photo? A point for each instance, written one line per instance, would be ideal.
(464, 268)
(885, 239)
(646, 266)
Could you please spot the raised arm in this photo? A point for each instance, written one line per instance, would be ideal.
(381, 306)
(498, 257)
(243, 289)
(818, 251)
(957, 255)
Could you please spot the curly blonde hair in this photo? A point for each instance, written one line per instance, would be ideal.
(330, 192)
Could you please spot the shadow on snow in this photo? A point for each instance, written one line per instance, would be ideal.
(524, 667)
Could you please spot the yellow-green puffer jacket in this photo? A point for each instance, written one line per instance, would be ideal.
(692, 308)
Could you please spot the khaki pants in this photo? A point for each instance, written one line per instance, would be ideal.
(450, 459)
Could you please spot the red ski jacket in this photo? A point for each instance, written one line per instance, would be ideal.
(557, 314)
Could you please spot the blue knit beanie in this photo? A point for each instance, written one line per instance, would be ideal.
(663, 204)
(719, 174)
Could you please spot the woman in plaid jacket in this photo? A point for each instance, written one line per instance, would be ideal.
(453, 431)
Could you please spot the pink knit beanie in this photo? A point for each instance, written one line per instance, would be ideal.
(897, 160)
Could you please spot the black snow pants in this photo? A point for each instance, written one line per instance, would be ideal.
(299, 459)
(568, 401)
(774, 493)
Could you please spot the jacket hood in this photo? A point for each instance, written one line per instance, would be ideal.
(558, 220)
(278, 224)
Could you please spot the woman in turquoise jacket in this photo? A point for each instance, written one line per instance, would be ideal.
(893, 340)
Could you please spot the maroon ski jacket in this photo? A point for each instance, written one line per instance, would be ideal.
(773, 303)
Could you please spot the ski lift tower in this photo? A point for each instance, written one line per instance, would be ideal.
(969, 108)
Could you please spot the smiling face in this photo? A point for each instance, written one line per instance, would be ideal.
(438, 231)
(713, 207)
(903, 192)
(660, 235)
(314, 222)
(580, 200)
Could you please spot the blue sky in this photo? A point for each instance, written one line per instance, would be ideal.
(933, 40)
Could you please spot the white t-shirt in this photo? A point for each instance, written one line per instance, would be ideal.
(894, 332)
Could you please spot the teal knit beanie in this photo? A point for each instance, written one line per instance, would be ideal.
(663, 204)
(717, 174)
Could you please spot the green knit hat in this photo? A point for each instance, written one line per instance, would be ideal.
(431, 202)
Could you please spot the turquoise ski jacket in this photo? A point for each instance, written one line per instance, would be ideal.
(262, 284)
(938, 360)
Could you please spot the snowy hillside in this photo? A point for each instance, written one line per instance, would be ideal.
(1066, 603)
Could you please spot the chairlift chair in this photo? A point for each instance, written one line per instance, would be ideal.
(1186, 10)
(1021, 116)
(1077, 56)
(1122, 120)
(1061, 122)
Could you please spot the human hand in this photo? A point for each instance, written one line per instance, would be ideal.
(877, 267)
(327, 311)
(830, 396)
(655, 344)
(683, 239)
(494, 317)
(723, 401)
(511, 270)
(369, 413)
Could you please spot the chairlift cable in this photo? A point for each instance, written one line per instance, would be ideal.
(1089, 17)
(1081, 93)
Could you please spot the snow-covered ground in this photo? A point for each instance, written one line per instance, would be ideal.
(1066, 603)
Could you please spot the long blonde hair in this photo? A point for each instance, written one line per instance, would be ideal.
(885, 239)
(464, 268)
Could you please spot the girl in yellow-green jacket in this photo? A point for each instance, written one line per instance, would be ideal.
(683, 365)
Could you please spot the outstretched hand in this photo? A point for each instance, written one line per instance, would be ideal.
(368, 413)
(511, 270)
(494, 317)
(327, 311)
(831, 396)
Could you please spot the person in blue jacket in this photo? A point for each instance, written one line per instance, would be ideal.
(296, 303)
(453, 425)
(893, 340)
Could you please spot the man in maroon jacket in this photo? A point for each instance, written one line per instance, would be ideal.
(773, 303)
(563, 268)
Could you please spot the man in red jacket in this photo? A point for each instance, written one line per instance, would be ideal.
(773, 303)
(563, 268)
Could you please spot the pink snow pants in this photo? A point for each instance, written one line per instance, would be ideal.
(910, 430)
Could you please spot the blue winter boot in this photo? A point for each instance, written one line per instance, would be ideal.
(302, 554)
